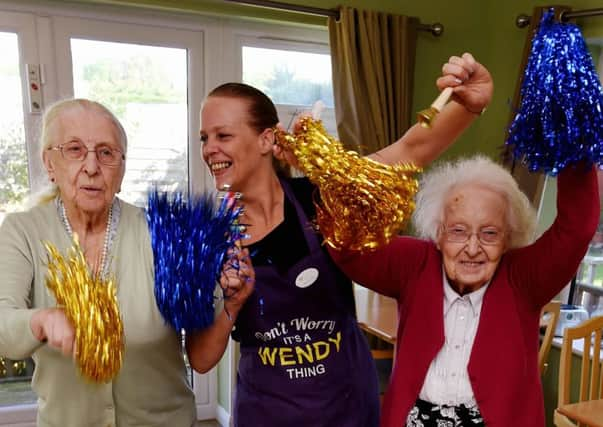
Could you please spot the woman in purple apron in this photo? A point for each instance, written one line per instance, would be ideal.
(304, 361)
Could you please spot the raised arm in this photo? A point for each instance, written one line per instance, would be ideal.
(472, 91)
(206, 347)
(542, 269)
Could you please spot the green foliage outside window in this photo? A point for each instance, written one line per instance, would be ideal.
(140, 79)
(284, 87)
(14, 184)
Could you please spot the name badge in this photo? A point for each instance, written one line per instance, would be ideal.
(306, 277)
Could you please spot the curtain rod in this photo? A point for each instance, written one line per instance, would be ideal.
(523, 20)
(436, 28)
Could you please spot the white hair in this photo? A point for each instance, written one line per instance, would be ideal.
(442, 180)
(54, 112)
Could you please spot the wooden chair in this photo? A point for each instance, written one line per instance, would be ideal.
(551, 310)
(588, 410)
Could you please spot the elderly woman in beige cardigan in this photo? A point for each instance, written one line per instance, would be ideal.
(84, 148)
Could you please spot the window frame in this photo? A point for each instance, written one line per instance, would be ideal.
(309, 42)
(46, 36)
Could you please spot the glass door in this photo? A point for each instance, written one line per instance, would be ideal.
(151, 77)
(150, 74)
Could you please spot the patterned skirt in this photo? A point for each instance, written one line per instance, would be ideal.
(425, 414)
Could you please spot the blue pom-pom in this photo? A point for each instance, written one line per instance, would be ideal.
(560, 119)
(191, 240)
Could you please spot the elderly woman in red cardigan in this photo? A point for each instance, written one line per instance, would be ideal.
(470, 293)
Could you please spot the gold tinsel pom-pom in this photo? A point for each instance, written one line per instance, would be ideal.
(90, 304)
(363, 203)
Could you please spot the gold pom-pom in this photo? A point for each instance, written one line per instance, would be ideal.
(363, 203)
(90, 304)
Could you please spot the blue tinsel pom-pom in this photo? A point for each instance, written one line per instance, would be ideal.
(191, 239)
(560, 120)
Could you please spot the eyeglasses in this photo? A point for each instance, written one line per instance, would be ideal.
(486, 236)
(76, 150)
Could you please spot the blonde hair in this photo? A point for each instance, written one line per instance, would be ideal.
(437, 184)
(51, 115)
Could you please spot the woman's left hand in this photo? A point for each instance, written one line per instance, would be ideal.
(282, 153)
(471, 82)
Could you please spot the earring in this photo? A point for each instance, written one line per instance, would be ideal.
(52, 179)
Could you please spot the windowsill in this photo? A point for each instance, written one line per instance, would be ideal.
(21, 414)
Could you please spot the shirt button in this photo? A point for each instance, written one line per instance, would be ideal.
(462, 317)
(457, 346)
(454, 374)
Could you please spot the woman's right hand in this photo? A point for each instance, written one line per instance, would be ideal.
(237, 281)
(470, 80)
(52, 326)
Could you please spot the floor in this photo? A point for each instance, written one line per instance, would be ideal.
(208, 424)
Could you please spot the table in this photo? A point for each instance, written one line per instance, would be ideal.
(377, 314)
(589, 412)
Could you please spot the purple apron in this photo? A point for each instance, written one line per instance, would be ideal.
(304, 361)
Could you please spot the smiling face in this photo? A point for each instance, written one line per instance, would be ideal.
(475, 209)
(234, 151)
(84, 185)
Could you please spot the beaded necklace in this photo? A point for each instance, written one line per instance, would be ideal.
(106, 242)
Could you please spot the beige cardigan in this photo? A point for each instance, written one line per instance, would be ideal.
(151, 388)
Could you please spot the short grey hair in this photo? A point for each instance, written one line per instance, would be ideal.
(54, 112)
(59, 108)
(438, 183)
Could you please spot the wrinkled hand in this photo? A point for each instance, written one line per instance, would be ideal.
(237, 281)
(283, 153)
(470, 80)
(51, 325)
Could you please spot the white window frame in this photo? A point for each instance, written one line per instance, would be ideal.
(282, 38)
(54, 25)
(24, 26)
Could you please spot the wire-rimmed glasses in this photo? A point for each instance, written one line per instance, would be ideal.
(77, 150)
(485, 235)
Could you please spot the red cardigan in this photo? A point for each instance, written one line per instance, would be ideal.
(503, 367)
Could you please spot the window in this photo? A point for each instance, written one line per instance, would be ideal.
(149, 72)
(146, 88)
(17, 47)
(589, 281)
(294, 76)
(14, 179)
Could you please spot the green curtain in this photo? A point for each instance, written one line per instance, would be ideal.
(373, 61)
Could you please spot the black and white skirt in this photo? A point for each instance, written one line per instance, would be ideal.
(426, 414)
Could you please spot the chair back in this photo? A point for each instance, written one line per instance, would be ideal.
(591, 376)
(549, 317)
